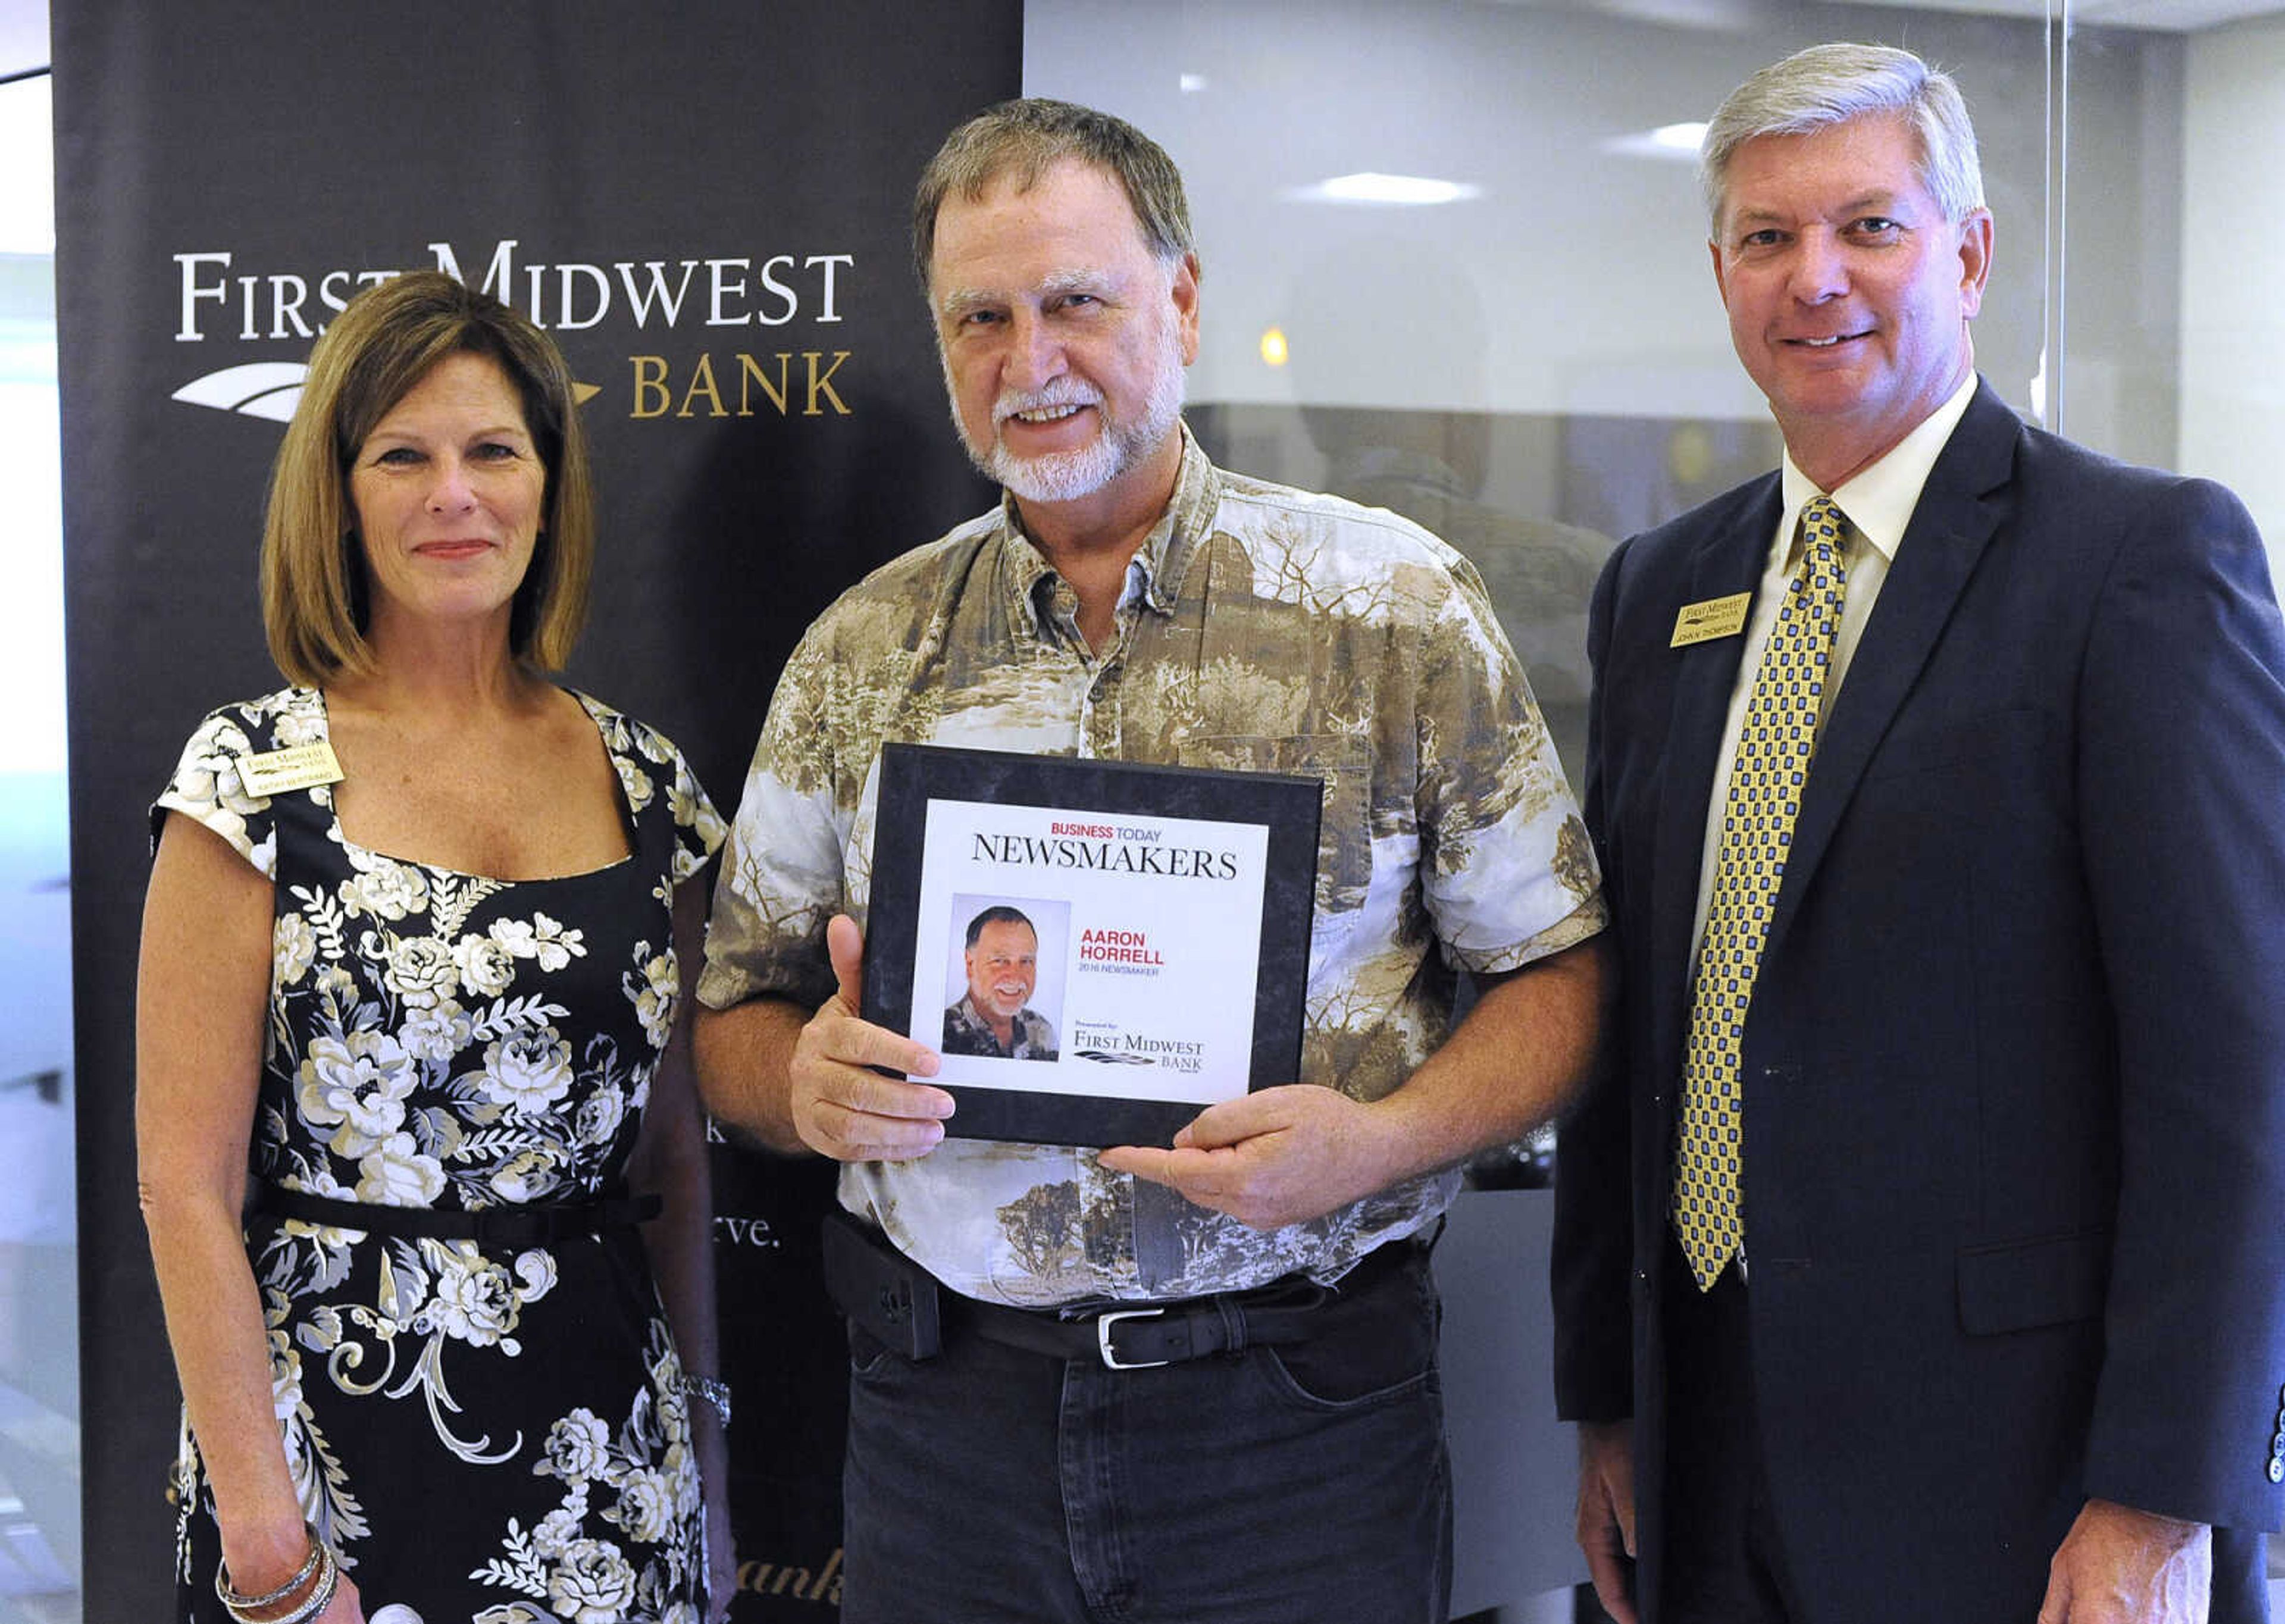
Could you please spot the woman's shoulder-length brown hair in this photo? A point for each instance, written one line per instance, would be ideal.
(313, 588)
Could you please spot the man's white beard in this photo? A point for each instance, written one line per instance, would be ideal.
(1065, 476)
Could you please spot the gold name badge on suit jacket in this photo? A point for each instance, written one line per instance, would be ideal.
(1702, 623)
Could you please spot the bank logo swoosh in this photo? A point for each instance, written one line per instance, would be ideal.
(259, 389)
(272, 389)
(1106, 1058)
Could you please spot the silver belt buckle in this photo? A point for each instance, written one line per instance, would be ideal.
(1111, 1359)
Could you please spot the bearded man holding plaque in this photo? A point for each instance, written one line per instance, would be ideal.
(1194, 1382)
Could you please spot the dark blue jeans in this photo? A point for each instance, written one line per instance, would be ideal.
(1306, 1484)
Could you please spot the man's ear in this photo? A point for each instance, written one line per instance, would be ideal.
(1185, 295)
(1974, 259)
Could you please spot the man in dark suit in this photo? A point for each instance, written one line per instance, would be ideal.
(1921, 1255)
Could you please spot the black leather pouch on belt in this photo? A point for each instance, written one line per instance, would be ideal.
(892, 1297)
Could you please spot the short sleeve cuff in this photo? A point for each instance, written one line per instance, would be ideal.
(1589, 918)
(208, 788)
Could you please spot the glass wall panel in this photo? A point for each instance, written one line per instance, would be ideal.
(2122, 121)
(2230, 300)
(39, 1340)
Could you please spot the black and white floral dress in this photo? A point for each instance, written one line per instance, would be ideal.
(485, 1436)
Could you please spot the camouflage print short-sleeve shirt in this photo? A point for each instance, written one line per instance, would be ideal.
(1263, 629)
(967, 1031)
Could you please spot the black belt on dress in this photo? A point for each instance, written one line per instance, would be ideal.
(1139, 1337)
(538, 1224)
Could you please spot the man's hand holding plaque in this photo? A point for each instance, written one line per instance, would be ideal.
(843, 1106)
(1277, 1156)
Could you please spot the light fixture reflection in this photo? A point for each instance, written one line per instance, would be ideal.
(1674, 143)
(1370, 186)
(1274, 352)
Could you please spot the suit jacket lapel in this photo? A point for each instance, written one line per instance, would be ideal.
(1951, 525)
(1704, 675)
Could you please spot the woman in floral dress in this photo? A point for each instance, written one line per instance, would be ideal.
(422, 1163)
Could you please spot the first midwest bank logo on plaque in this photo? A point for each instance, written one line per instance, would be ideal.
(737, 304)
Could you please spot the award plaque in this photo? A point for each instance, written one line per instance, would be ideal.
(1099, 950)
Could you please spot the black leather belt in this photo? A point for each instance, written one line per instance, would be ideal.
(518, 1226)
(1142, 1336)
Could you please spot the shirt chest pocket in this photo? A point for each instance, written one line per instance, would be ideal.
(1342, 764)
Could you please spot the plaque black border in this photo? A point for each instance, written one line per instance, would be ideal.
(1287, 806)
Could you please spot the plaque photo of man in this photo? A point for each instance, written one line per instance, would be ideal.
(994, 1016)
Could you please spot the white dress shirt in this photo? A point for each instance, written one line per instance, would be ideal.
(1878, 504)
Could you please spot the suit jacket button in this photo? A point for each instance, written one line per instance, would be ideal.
(2276, 1470)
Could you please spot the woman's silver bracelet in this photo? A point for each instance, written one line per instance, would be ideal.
(230, 1597)
(319, 1563)
(713, 1390)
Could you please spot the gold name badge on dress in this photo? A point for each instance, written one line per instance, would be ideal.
(1702, 623)
(297, 767)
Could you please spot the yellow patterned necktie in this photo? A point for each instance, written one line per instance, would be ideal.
(1775, 743)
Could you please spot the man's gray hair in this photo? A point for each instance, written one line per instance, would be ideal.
(1000, 914)
(1826, 85)
(1022, 140)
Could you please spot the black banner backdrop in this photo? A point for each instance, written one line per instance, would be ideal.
(706, 204)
